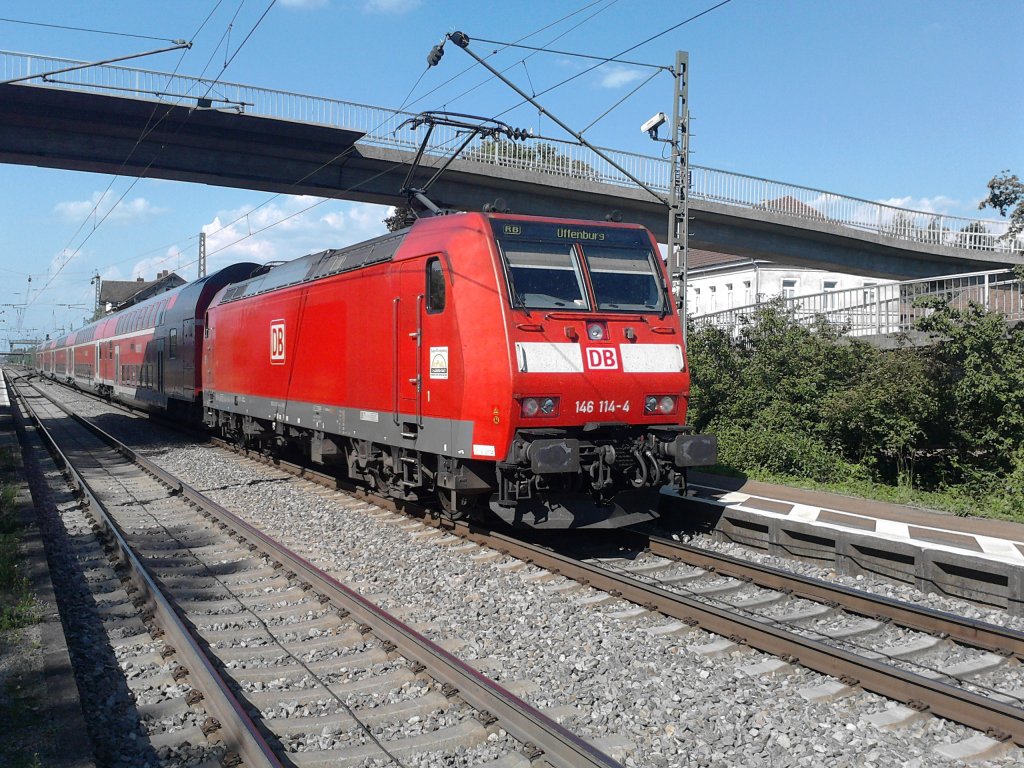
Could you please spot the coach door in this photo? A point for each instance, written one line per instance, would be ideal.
(159, 365)
(117, 364)
(96, 369)
(408, 342)
(188, 357)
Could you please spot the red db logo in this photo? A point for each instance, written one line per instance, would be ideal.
(602, 358)
(277, 342)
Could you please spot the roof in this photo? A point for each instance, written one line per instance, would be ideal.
(697, 259)
(790, 205)
(121, 293)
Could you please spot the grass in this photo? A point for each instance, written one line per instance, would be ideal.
(19, 712)
(17, 606)
(28, 739)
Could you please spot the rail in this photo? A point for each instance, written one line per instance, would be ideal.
(561, 747)
(382, 127)
(239, 732)
(889, 308)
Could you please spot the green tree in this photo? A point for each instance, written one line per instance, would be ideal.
(401, 216)
(808, 402)
(980, 381)
(881, 420)
(903, 226)
(1006, 193)
(542, 157)
(975, 237)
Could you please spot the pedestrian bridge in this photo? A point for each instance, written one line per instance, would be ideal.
(127, 121)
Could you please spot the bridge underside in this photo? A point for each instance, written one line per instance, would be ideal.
(88, 132)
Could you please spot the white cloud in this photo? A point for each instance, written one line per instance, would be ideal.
(100, 205)
(617, 76)
(937, 204)
(282, 230)
(391, 6)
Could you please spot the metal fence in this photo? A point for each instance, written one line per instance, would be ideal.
(890, 308)
(540, 155)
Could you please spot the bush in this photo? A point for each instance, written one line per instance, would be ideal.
(807, 402)
(763, 451)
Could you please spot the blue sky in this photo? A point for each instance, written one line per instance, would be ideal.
(914, 102)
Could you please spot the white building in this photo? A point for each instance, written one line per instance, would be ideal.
(718, 282)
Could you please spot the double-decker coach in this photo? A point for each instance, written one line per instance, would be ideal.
(143, 355)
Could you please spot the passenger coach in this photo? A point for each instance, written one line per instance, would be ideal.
(144, 355)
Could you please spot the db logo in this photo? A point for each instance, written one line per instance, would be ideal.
(277, 342)
(602, 358)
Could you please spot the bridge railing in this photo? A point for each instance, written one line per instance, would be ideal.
(383, 127)
(889, 308)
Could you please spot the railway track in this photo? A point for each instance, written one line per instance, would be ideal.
(275, 661)
(864, 642)
(840, 632)
(835, 630)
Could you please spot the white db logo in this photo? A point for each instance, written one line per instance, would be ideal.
(602, 358)
(277, 342)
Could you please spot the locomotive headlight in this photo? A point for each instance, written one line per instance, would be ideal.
(538, 406)
(659, 404)
(595, 332)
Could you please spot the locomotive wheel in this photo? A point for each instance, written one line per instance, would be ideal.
(453, 510)
(465, 506)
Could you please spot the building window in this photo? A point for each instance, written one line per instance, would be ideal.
(789, 288)
(713, 299)
(695, 309)
(829, 287)
(869, 291)
(748, 296)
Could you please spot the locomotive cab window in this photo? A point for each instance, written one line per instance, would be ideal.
(624, 278)
(544, 276)
(435, 286)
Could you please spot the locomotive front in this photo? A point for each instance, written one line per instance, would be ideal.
(599, 382)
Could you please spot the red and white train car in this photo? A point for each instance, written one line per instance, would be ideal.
(534, 366)
(144, 355)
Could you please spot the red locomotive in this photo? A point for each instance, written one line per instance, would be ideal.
(532, 366)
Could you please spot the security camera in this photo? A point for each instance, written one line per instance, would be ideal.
(652, 125)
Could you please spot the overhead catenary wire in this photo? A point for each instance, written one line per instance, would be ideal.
(85, 29)
(145, 132)
(339, 156)
(350, 149)
(528, 56)
(150, 163)
(524, 37)
(545, 49)
(614, 106)
(664, 32)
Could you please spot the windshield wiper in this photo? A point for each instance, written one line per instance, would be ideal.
(518, 302)
(665, 301)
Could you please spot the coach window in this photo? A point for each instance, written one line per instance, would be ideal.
(435, 286)
(172, 344)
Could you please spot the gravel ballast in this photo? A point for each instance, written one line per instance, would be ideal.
(652, 699)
